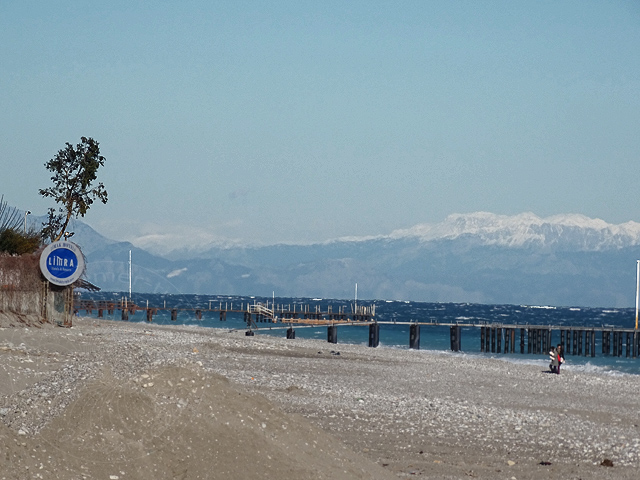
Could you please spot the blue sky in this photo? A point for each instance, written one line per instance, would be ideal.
(303, 121)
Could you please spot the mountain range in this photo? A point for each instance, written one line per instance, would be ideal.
(563, 260)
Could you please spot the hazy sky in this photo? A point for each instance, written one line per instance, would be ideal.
(267, 121)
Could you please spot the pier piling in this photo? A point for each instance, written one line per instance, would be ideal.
(455, 332)
(374, 335)
(487, 339)
(332, 334)
(414, 337)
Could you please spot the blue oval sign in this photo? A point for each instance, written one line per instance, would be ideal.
(62, 263)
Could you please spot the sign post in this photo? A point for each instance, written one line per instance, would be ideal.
(62, 263)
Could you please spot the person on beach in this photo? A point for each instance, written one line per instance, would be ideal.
(560, 357)
(553, 358)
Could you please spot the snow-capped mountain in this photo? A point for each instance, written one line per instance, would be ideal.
(571, 231)
(574, 232)
(478, 257)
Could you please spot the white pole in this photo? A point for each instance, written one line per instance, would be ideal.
(129, 273)
(356, 299)
(637, 289)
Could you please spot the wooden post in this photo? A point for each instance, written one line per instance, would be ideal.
(522, 333)
(414, 337)
(539, 339)
(587, 342)
(579, 332)
(332, 334)
(174, 315)
(482, 339)
(454, 334)
(487, 339)
(493, 339)
(619, 344)
(149, 314)
(593, 343)
(125, 314)
(99, 313)
(529, 340)
(629, 346)
(498, 340)
(374, 335)
(507, 337)
(223, 316)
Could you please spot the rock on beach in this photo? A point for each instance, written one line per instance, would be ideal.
(111, 399)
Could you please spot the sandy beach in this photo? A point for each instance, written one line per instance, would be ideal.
(116, 400)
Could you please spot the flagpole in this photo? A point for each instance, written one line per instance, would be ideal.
(129, 274)
(637, 289)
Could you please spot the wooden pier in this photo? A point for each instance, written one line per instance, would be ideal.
(493, 338)
(535, 339)
(254, 313)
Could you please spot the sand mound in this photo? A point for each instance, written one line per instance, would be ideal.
(177, 422)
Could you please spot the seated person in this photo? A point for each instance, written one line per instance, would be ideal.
(553, 358)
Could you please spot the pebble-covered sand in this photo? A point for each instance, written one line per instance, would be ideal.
(413, 413)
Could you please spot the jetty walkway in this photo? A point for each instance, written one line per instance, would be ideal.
(493, 337)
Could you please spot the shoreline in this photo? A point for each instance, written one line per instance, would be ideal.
(577, 363)
(402, 412)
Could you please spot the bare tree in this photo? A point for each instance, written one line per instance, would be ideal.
(14, 238)
(9, 216)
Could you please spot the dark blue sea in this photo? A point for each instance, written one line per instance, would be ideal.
(432, 338)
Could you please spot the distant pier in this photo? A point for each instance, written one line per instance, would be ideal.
(256, 312)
